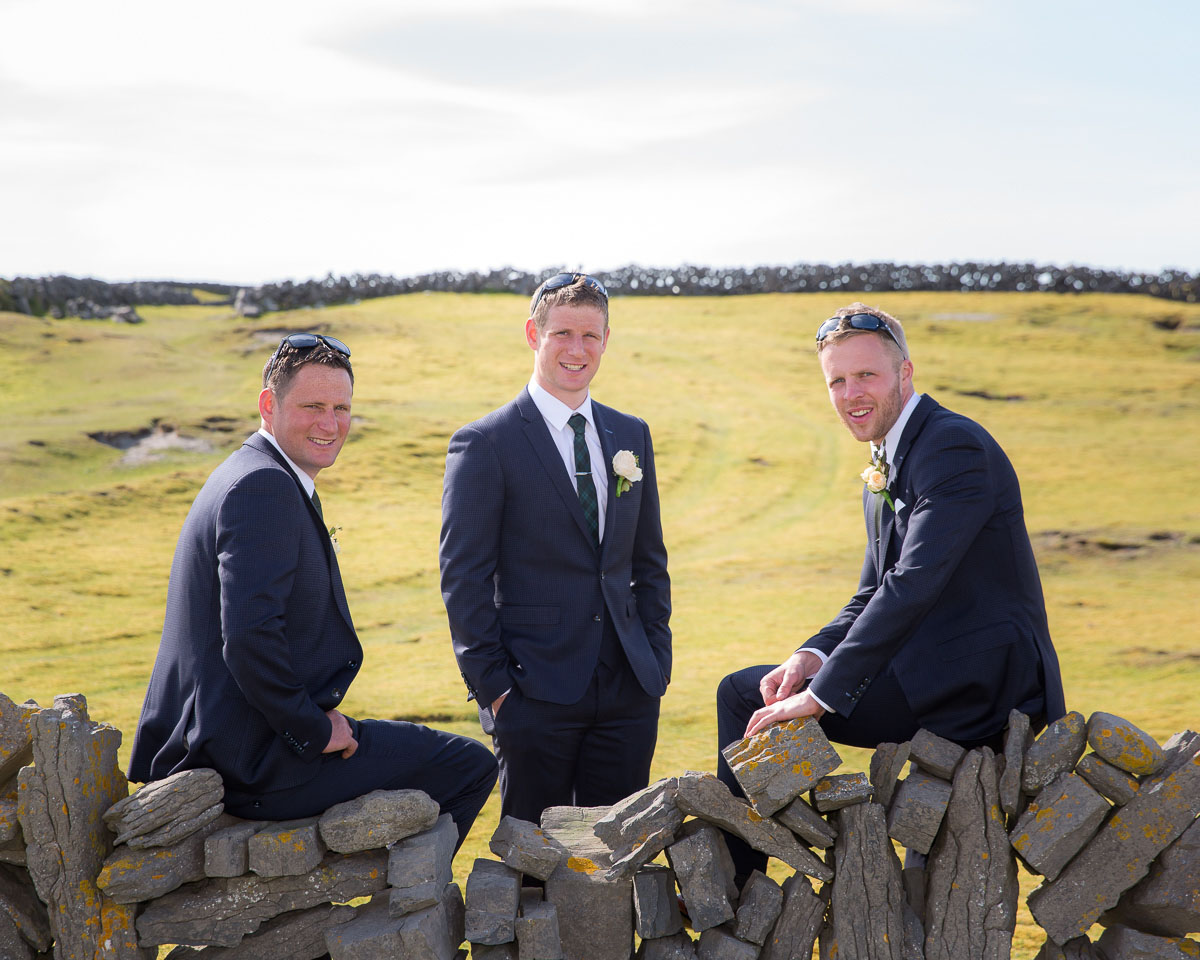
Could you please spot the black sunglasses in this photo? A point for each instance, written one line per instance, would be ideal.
(305, 341)
(560, 280)
(856, 321)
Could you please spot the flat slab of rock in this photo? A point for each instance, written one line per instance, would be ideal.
(493, 897)
(377, 819)
(841, 790)
(917, 810)
(227, 849)
(655, 904)
(131, 876)
(221, 911)
(1057, 824)
(798, 924)
(16, 738)
(867, 903)
(1109, 781)
(595, 914)
(1080, 948)
(1017, 738)
(971, 877)
(22, 911)
(298, 935)
(887, 763)
(1054, 752)
(703, 795)
(428, 934)
(641, 826)
(290, 848)
(524, 846)
(1121, 852)
(676, 947)
(537, 933)
(778, 764)
(758, 908)
(935, 754)
(704, 869)
(717, 943)
(807, 824)
(1167, 901)
(10, 826)
(420, 866)
(74, 778)
(1123, 745)
(1123, 943)
(168, 810)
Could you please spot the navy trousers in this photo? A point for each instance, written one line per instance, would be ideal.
(457, 772)
(882, 716)
(586, 754)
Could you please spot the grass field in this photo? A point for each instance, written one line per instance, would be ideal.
(1096, 398)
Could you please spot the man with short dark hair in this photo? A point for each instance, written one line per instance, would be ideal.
(554, 572)
(258, 649)
(947, 629)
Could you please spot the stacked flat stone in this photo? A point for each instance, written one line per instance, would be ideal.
(257, 890)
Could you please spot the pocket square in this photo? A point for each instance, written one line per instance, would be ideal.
(899, 504)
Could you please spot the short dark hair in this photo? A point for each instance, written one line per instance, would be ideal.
(580, 293)
(288, 359)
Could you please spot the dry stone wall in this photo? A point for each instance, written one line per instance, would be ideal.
(1107, 817)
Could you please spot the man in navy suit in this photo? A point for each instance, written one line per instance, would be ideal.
(554, 572)
(948, 629)
(258, 649)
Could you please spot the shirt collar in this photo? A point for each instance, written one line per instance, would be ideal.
(305, 480)
(555, 412)
(891, 439)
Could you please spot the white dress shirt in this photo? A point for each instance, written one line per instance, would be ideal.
(556, 414)
(305, 480)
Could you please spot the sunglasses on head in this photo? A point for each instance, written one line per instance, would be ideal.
(856, 321)
(560, 280)
(305, 341)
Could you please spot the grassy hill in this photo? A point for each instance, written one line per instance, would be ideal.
(1096, 398)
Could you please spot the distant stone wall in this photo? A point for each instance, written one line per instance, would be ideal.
(88, 870)
(60, 296)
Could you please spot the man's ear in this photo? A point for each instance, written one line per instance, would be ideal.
(531, 334)
(266, 408)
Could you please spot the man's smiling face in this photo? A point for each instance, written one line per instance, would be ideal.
(567, 350)
(868, 384)
(311, 419)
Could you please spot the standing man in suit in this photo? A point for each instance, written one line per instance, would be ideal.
(554, 572)
(258, 648)
(948, 629)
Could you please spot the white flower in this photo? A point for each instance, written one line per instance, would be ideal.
(626, 470)
(333, 532)
(874, 478)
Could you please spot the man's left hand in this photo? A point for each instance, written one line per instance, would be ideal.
(340, 738)
(798, 705)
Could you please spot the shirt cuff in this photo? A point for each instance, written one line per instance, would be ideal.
(824, 707)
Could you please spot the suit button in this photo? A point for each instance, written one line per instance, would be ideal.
(352, 664)
(601, 574)
(337, 694)
(596, 618)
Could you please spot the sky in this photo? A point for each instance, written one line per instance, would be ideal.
(250, 142)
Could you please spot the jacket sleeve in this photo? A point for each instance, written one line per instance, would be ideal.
(258, 548)
(954, 497)
(651, 582)
(472, 513)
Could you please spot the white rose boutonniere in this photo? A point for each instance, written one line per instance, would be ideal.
(875, 477)
(333, 532)
(626, 470)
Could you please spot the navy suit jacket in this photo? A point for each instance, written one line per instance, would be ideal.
(524, 586)
(257, 641)
(950, 596)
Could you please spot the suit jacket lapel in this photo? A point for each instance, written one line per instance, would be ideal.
(258, 442)
(608, 443)
(539, 438)
(924, 408)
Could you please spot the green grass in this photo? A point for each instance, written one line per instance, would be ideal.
(758, 481)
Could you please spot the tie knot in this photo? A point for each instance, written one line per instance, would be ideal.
(578, 423)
